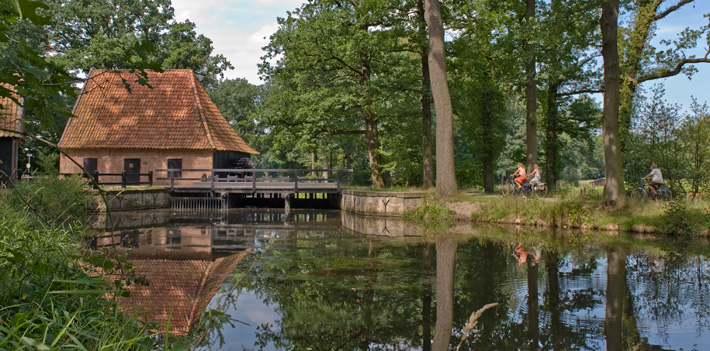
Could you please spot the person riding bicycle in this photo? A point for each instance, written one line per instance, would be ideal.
(522, 175)
(536, 177)
(656, 179)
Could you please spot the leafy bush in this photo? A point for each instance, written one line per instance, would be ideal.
(53, 200)
(677, 219)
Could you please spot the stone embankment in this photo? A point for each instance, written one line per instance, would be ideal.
(120, 199)
(381, 203)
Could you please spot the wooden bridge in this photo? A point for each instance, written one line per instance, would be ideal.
(253, 181)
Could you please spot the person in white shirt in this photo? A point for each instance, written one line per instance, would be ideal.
(655, 177)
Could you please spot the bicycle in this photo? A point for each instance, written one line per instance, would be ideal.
(527, 190)
(642, 193)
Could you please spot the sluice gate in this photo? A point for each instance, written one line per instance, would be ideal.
(198, 204)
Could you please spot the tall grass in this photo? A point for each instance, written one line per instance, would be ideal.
(50, 296)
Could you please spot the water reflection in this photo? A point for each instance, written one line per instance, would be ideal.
(312, 281)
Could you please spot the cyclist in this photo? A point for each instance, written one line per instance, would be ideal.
(536, 177)
(656, 179)
(522, 175)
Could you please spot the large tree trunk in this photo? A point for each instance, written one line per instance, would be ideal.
(445, 169)
(552, 131)
(530, 90)
(427, 158)
(445, 266)
(614, 189)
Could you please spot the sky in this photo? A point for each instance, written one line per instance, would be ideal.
(240, 28)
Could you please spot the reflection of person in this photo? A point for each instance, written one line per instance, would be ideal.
(522, 176)
(522, 255)
(657, 265)
(655, 177)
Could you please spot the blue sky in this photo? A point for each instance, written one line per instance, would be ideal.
(240, 28)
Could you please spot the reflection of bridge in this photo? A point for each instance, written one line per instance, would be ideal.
(253, 181)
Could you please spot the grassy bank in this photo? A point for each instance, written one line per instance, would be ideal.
(50, 294)
(573, 210)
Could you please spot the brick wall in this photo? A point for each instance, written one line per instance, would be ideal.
(111, 161)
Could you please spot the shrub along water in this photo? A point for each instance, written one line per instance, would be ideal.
(49, 297)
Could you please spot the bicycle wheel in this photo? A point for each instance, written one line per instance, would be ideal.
(540, 190)
(638, 194)
(507, 189)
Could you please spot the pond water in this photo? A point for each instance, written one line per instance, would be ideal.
(329, 280)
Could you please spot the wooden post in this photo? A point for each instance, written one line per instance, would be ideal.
(96, 179)
(123, 179)
(253, 182)
(212, 181)
(150, 178)
(295, 184)
(172, 180)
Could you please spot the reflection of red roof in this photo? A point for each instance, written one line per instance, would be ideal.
(177, 291)
(10, 115)
(176, 113)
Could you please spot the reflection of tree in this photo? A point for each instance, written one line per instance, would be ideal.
(559, 330)
(336, 294)
(615, 289)
(533, 315)
(426, 296)
(668, 288)
(445, 267)
(352, 293)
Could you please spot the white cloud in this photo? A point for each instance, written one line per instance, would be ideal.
(238, 28)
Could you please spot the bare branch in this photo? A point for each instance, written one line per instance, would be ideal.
(671, 72)
(671, 9)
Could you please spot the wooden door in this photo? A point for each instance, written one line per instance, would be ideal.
(132, 166)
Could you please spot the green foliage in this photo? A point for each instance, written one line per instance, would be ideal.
(677, 219)
(49, 298)
(54, 201)
(431, 212)
(656, 138)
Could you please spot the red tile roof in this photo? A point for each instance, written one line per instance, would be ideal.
(10, 115)
(177, 291)
(176, 113)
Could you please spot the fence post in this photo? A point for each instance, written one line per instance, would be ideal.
(172, 180)
(295, 184)
(212, 181)
(253, 182)
(123, 179)
(150, 178)
(96, 179)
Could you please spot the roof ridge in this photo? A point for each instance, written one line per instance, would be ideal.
(199, 109)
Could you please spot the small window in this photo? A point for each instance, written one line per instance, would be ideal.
(91, 165)
(175, 163)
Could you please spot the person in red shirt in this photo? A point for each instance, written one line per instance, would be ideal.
(522, 175)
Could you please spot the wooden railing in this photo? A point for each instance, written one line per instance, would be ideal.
(214, 179)
(126, 178)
